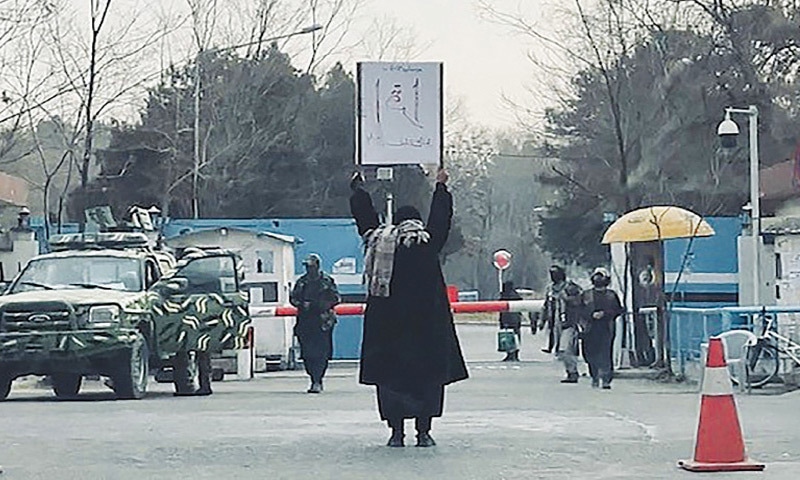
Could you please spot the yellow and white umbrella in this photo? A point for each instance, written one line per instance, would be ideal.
(657, 223)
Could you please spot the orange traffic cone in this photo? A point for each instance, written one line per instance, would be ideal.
(719, 446)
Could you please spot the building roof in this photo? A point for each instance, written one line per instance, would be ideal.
(200, 230)
(777, 182)
(13, 190)
(780, 225)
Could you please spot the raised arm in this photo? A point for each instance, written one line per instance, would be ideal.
(361, 207)
(441, 215)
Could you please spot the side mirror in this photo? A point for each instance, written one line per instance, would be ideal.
(173, 286)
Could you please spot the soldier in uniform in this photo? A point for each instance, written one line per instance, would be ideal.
(550, 312)
(315, 295)
(562, 313)
(184, 365)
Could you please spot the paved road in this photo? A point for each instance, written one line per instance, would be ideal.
(506, 422)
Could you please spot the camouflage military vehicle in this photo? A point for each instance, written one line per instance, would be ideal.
(106, 304)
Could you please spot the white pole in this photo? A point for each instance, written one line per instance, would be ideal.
(389, 208)
(196, 166)
(755, 202)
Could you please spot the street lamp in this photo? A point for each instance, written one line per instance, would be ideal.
(197, 90)
(728, 130)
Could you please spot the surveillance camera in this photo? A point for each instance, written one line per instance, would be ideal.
(727, 132)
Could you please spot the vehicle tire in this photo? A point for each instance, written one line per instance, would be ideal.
(66, 385)
(185, 375)
(5, 387)
(217, 374)
(132, 370)
(762, 364)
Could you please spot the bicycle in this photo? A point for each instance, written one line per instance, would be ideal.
(763, 358)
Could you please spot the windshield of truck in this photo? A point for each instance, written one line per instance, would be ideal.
(104, 273)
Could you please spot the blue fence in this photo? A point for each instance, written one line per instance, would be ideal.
(691, 327)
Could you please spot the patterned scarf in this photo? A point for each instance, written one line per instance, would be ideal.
(381, 244)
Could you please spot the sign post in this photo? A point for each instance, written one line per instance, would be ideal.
(501, 260)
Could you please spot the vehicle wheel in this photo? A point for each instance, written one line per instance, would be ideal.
(66, 385)
(5, 387)
(130, 379)
(762, 364)
(217, 374)
(185, 375)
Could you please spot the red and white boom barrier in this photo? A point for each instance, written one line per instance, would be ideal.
(493, 306)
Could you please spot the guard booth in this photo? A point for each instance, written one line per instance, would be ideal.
(269, 271)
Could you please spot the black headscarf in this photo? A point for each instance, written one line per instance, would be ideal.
(406, 212)
(557, 274)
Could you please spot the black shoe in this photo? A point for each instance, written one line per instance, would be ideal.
(396, 440)
(185, 393)
(570, 379)
(203, 392)
(606, 386)
(425, 440)
(547, 350)
(315, 388)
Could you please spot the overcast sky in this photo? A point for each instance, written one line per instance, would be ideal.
(483, 61)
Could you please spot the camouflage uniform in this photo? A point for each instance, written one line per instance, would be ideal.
(315, 295)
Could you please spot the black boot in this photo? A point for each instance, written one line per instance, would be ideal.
(424, 438)
(315, 388)
(398, 435)
(204, 372)
(571, 378)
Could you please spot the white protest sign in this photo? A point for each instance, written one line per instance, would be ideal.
(399, 113)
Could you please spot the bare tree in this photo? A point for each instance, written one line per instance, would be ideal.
(204, 13)
(387, 39)
(336, 18)
(103, 63)
(20, 46)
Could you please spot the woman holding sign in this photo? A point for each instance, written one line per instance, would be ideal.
(410, 350)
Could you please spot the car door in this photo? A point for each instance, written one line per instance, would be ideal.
(200, 306)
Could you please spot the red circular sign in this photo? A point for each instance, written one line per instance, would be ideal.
(501, 259)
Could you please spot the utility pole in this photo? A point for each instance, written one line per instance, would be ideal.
(198, 76)
(196, 166)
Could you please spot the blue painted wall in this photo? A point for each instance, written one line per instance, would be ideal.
(716, 255)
